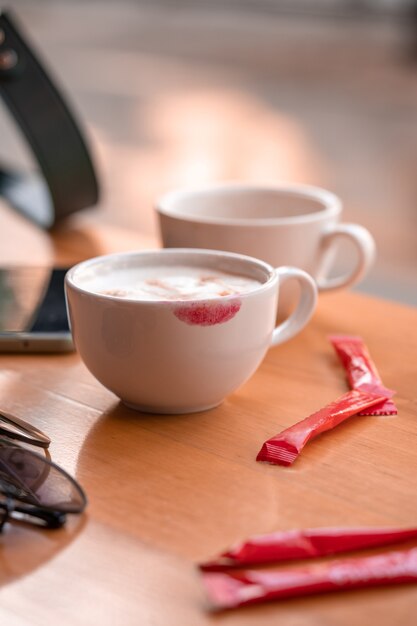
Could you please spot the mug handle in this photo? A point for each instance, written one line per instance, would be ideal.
(365, 247)
(305, 307)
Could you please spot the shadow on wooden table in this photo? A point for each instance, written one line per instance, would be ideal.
(157, 476)
(25, 548)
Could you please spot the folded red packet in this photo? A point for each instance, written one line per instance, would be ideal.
(227, 590)
(362, 373)
(284, 448)
(305, 544)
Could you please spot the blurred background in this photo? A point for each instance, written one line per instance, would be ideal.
(178, 92)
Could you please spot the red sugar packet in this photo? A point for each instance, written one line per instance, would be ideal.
(362, 373)
(305, 544)
(231, 589)
(285, 447)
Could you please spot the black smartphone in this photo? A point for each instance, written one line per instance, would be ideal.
(33, 313)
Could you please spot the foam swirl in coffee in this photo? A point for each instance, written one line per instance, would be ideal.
(180, 283)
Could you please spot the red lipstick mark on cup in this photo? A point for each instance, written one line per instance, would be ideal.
(207, 313)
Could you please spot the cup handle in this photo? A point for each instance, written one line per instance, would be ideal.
(305, 306)
(365, 248)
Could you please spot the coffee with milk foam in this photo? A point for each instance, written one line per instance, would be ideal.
(177, 283)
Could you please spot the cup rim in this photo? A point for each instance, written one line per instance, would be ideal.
(332, 205)
(70, 280)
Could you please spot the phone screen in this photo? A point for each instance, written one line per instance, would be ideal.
(32, 301)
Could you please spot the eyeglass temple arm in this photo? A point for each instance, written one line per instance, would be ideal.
(51, 519)
(16, 428)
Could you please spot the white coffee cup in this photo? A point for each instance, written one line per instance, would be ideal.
(295, 225)
(178, 356)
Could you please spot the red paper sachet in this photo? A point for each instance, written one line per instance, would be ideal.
(231, 589)
(285, 447)
(362, 372)
(305, 544)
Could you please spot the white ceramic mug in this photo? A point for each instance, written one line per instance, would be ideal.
(295, 225)
(177, 356)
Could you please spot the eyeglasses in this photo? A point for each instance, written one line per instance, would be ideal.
(33, 487)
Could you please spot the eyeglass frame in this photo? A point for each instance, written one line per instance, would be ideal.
(12, 427)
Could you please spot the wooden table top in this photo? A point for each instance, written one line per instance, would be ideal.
(167, 491)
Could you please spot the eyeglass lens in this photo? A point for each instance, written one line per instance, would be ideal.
(29, 477)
